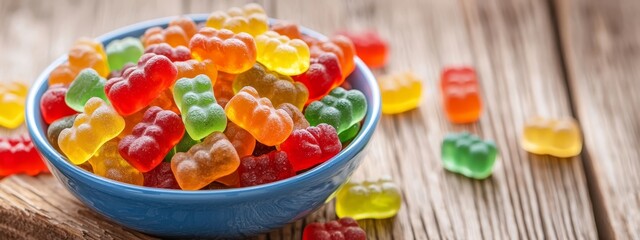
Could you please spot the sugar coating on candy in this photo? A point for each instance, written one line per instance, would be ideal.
(250, 19)
(200, 112)
(19, 155)
(87, 84)
(232, 53)
(311, 146)
(108, 163)
(161, 177)
(468, 155)
(205, 162)
(342, 229)
(323, 74)
(340, 109)
(53, 105)
(263, 169)
(400, 92)
(140, 85)
(123, 51)
(256, 115)
(175, 54)
(281, 54)
(460, 94)
(12, 98)
(152, 139)
(370, 199)
(98, 124)
(556, 137)
(276, 87)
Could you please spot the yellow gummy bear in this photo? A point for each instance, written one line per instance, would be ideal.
(379, 199)
(98, 124)
(283, 55)
(556, 137)
(108, 163)
(250, 19)
(400, 92)
(12, 97)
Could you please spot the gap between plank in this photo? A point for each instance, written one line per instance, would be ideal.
(603, 224)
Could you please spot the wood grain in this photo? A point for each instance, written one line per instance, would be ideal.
(514, 46)
(600, 42)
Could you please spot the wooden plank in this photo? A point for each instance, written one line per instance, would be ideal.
(511, 43)
(601, 48)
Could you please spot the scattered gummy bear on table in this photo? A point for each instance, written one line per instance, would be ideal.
(556, 137)
(468, 155)
(12, 97)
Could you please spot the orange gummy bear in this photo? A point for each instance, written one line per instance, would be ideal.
(205, 162)
(257, 115)
(85, 53)
(178, 33)
(460, 94)
(232, 53)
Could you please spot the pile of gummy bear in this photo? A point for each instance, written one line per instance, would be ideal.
(228, 104)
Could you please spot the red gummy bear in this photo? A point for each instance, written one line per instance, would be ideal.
(370, 47)
(312, 146)
(344, 228)
(324, 73)
(18, 155)
(140, 85)
(161, 177)
(177, 54)
(151, 139)
(263, 169)
(52, 104)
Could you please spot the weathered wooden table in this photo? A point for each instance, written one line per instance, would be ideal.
(554, 58)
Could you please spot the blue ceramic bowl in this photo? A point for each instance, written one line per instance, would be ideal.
(211, 213)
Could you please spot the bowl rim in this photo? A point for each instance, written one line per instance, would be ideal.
(34, 123)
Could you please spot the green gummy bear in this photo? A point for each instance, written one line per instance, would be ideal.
(350, 133)
(183, 146)
(200, 112)
(87, 84)
(468, 155)
(340, 109)
(123, 51)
